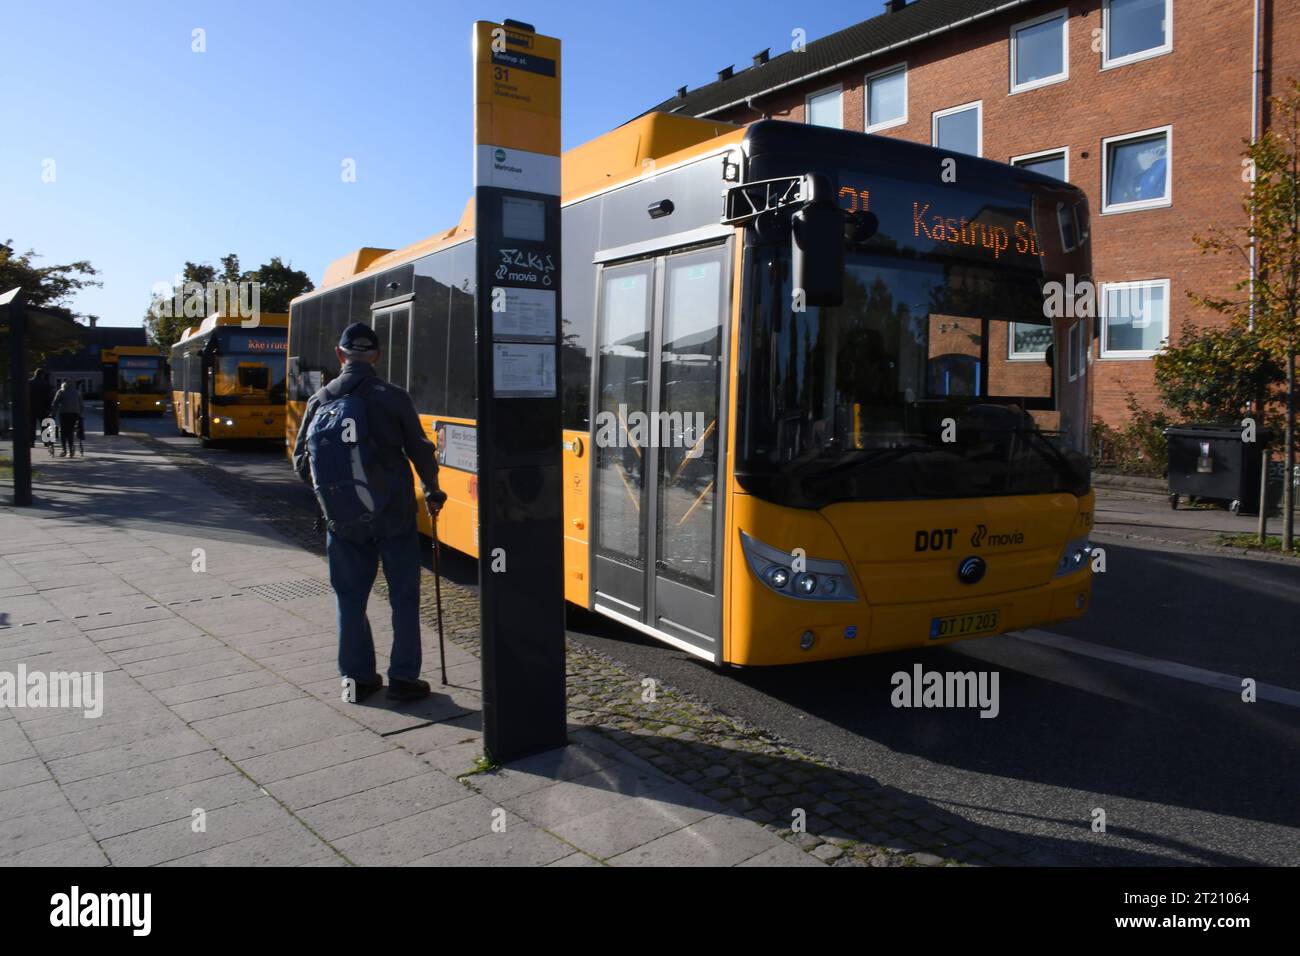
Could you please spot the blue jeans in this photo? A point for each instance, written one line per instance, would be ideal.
(352, 573)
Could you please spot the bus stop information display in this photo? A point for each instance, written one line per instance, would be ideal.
(517, 303)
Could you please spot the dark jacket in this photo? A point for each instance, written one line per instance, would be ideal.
(40, 392)
(395, 430)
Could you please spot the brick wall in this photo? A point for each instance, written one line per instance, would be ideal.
(1202, 88)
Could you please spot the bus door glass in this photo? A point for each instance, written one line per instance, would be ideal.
(393, 329)
(657, 437)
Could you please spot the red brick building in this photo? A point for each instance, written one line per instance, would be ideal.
(1144, 104)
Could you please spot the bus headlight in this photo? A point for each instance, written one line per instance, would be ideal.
(778, 577)
(818, 579)
(1074, 557)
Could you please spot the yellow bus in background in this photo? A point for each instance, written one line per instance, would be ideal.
(141, 378)
(228, 379)
(903, 466)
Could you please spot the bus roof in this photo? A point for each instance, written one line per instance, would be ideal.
(632, 151)
(133, 350)
(271, 320)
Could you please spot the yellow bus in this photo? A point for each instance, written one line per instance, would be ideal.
(141, 378)
(228, 378)
(748, 475)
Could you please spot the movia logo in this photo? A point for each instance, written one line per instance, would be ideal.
(500, 155)
(981, 536)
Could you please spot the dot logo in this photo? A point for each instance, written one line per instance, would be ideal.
(500, 155)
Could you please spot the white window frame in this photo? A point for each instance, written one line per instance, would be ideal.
(1072, 339)
(1102, 310)
(1063, 151)
(867, 125)
(1064, 16)
(1167, 47)
(1107, 207)
(1013, 355)
(838, 89)
(977, 105)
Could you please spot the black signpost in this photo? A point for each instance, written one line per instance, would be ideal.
(520, 536)
(12, 302)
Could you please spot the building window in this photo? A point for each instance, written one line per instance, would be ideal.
(1028, 343)
(825, 108)
(1135, 318)
(1049, 162)
(1135, 170)
(959, 129)
(886, 99)
(1135, 30)
(1038, 52)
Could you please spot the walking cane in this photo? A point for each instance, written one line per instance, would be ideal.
(437, 594)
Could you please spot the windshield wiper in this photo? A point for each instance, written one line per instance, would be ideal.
(863, 456)
(1045, 445)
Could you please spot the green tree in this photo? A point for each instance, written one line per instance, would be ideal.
(279, 284)
(46, 287)
(1268, 302)
(1216, 374)
(164, 322)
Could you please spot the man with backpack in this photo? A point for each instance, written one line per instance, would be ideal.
(353, 445)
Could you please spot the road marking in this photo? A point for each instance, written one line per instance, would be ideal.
(1195, 675)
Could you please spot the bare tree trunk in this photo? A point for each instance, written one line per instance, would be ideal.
(1288, 487)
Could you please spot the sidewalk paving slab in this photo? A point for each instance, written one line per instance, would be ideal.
(222, 694)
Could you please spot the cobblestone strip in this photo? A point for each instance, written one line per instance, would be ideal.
(841, 817)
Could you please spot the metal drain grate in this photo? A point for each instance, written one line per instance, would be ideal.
(291, 590)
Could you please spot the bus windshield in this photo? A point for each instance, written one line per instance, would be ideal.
(931, 380)
(140, 374)
(250, 368)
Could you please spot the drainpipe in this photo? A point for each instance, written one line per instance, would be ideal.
(1254, 134)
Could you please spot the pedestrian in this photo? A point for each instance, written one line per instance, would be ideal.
(358, 434)
(68, 407)
(40, 392)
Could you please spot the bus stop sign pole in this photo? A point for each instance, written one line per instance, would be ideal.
(12, 303)
(517, 304)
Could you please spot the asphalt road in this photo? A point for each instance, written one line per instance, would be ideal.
(1135, 710)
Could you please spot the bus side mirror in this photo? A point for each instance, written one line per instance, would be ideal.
(817, 247)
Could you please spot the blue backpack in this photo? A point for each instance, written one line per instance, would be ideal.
(347, 475)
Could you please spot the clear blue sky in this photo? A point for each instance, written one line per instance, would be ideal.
(163, 155)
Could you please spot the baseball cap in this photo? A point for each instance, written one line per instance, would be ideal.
(358, 337)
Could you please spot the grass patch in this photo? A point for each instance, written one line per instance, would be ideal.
(7, 469)
(481, 765)
(1250, 542)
